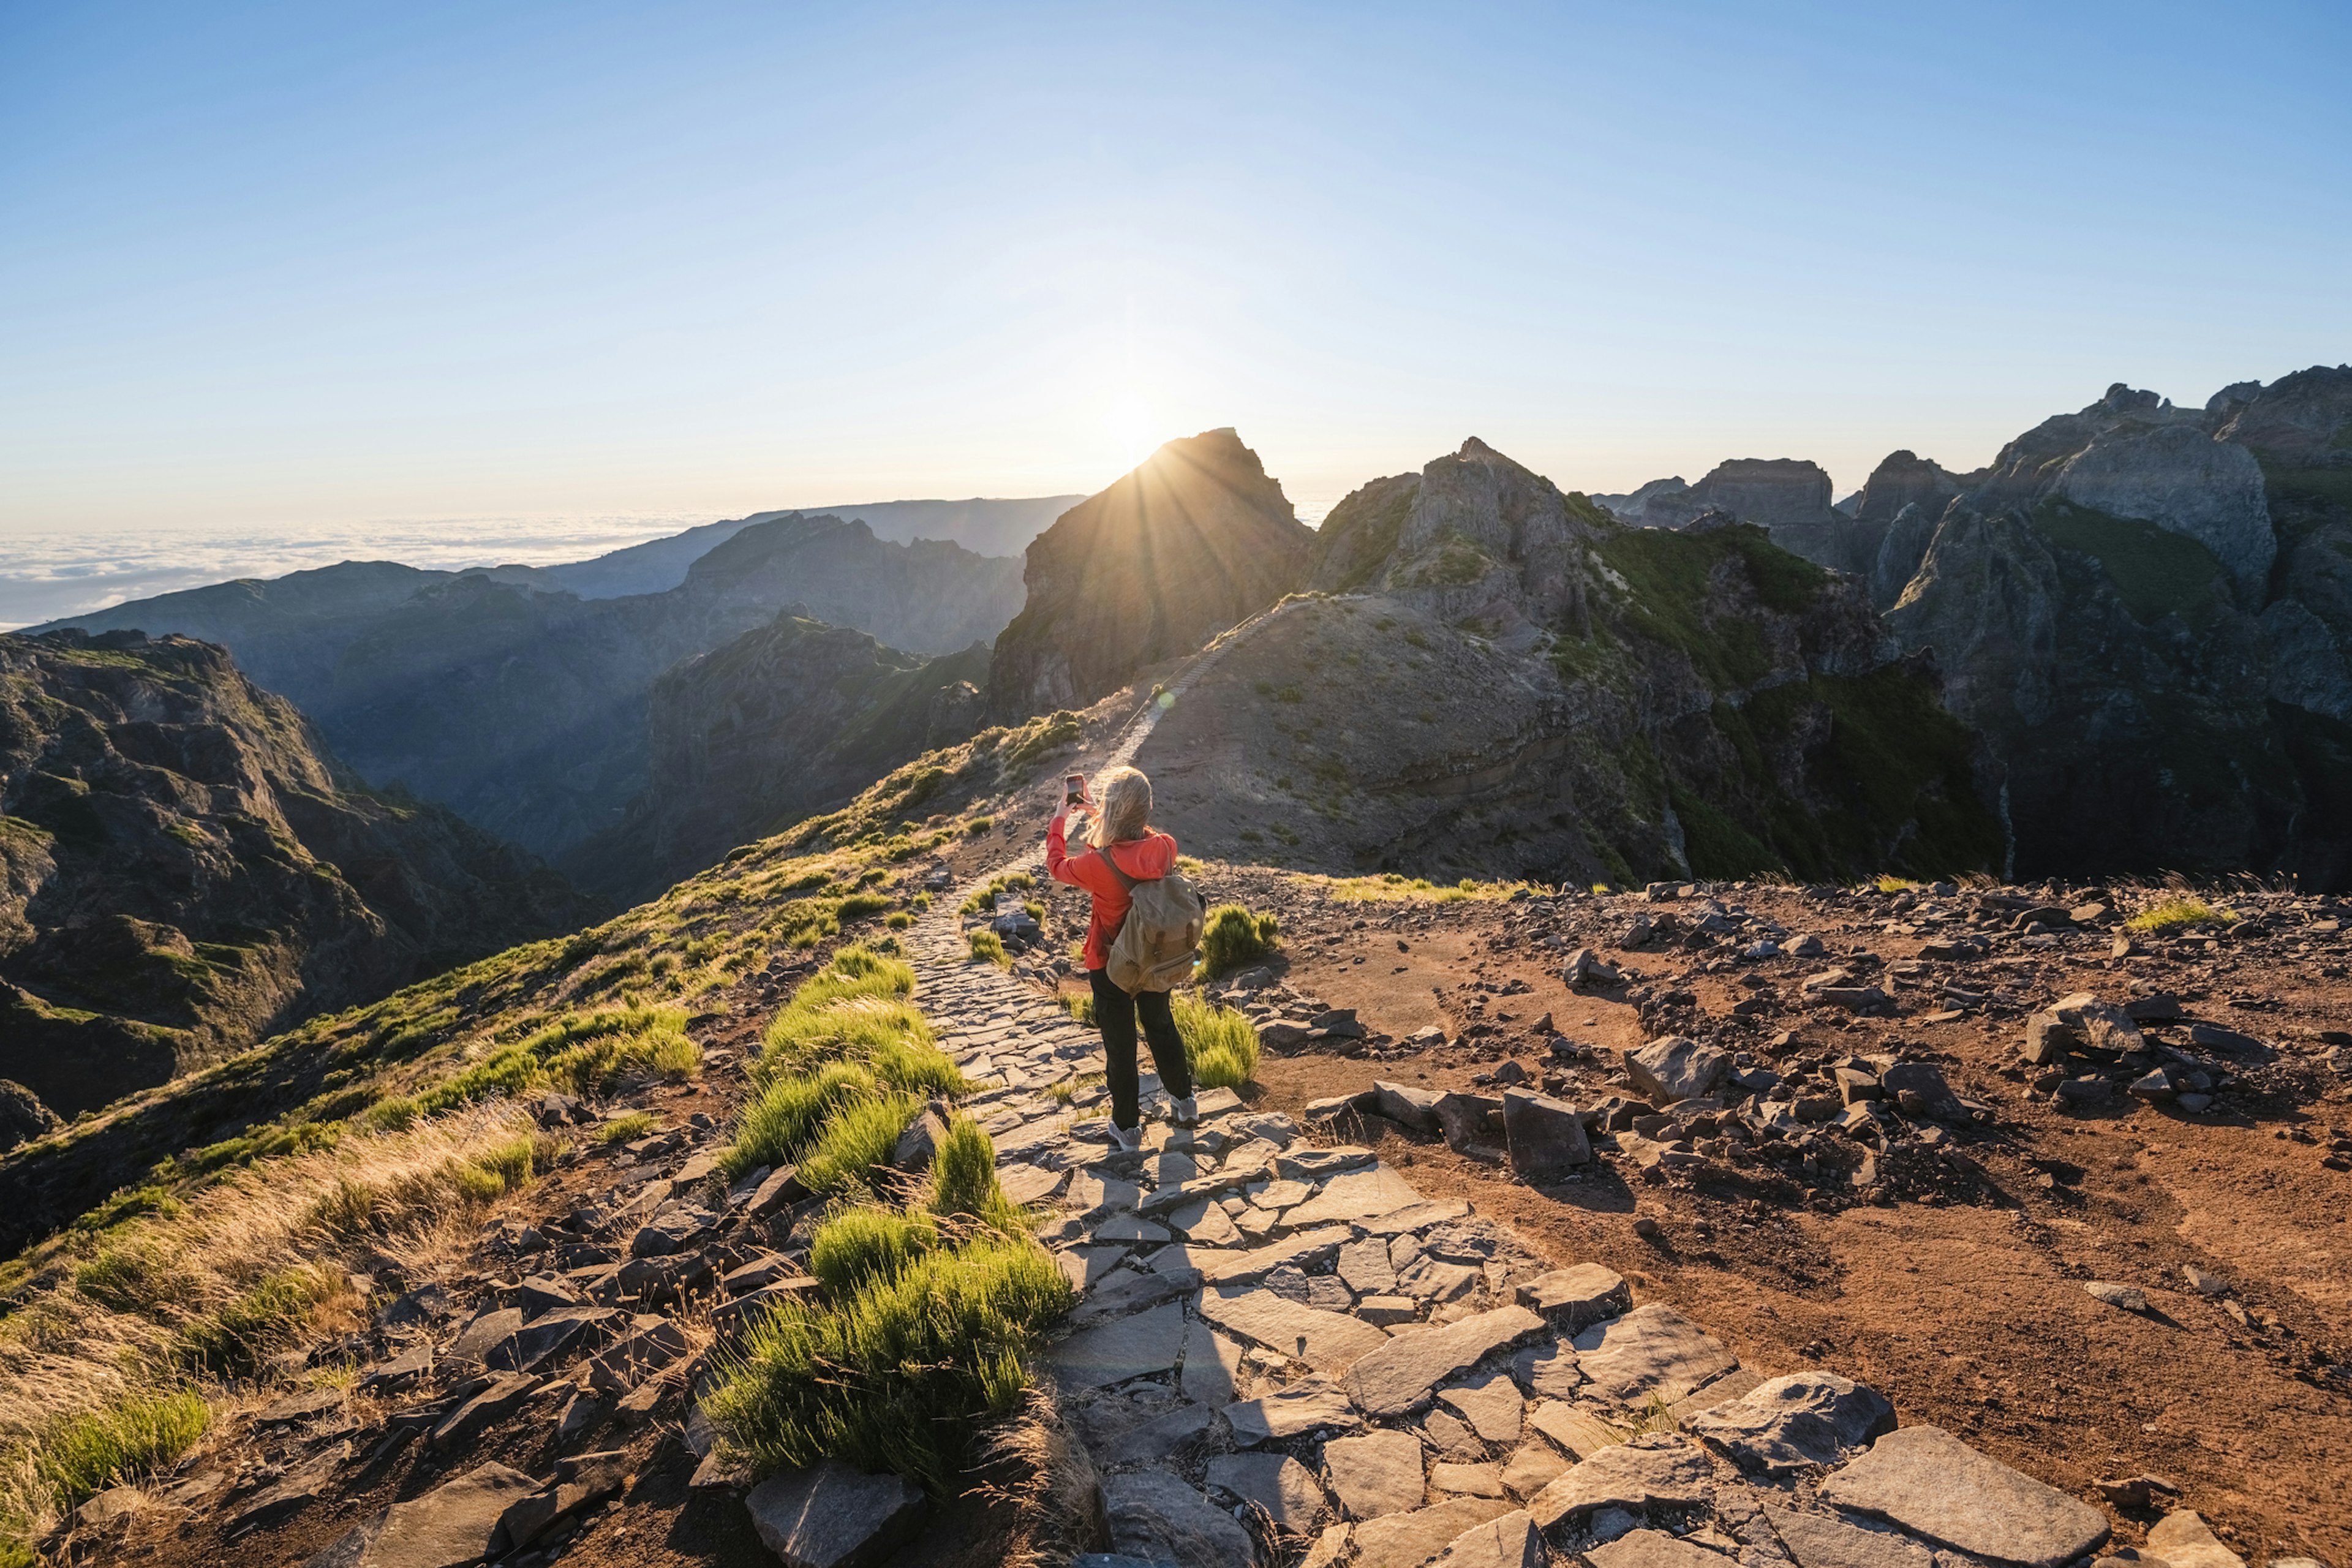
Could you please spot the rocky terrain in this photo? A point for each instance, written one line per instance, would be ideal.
(524, 708)
(2137, 604)
(1497, 678)
(792, 719)
(184, 867)
(1840, 1269)
(1194, 541)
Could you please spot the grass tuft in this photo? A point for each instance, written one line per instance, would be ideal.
(126, 1441)
(1231, 937)
(1220, 1042)
(987, 947)
(627, 1127)
(865, 1243)
(2177, 914)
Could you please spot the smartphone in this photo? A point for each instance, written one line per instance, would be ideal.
(1073, 788)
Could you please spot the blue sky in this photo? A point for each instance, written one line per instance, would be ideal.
(282, 266)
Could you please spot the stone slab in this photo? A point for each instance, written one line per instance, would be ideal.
(1794, 1423)
(1148, 1343)
(1278, 1483)
(1353, 1197)
(1576, 1428)
(1308, 1405)
(1402, 1374)
(1819, 1541)
(1651, 1350)
(1654, 1548)
(1158, 1517)
(1510, 1541)
(1491, 1405)
(1303, 1249)
(1411, 1540)
(1647, 1473)
(1375, 1475)
(1212, 1368)
(1574, 1298)
(1328, 1342)
(444, 1527)
(1931, 1483)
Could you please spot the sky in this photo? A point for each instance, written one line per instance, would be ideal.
(353, 272)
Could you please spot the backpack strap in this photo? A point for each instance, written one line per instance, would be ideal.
(1124, 880)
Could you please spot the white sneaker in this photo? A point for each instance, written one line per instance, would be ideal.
(1127, 1140)
(1184, 1112)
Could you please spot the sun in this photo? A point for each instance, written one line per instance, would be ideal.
(1132, 427)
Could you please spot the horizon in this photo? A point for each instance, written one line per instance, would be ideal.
(271, 271)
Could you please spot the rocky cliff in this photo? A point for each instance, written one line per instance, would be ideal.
(2143, 607)
(1785, 496)
(1502, 678)
(1192, 542)
(794, 718)
(184, 867)
(524, 706)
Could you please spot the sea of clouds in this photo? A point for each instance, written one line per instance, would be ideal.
(46, 575)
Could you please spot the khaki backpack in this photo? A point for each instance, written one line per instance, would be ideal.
(1159, 940)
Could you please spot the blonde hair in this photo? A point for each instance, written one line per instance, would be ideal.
(1125, 809)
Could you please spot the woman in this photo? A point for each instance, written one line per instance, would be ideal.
(1120, 835)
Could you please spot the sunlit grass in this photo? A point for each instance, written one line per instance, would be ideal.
(2177, 913)
(1395, 886)
(1220, 1042)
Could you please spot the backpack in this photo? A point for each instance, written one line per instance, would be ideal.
(1159, 940)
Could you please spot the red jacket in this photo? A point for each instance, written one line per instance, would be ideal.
(1154, 854)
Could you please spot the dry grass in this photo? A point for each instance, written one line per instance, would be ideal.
(107, 1362)
(1395, 886)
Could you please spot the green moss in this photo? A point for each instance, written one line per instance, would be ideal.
(1671, 576)
(2156, 572)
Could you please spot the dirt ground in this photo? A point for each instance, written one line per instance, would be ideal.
(1967, 1313)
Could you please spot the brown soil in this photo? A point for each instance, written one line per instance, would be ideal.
(1968, 1310)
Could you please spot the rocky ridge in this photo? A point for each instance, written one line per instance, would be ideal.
(1491, 677)
(184, 867)
(1195, 540)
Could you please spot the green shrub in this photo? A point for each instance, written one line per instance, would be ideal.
(775, 1129)
(858, 906)
(867, 1243)
(627, 1127)
(987, 947)
(899, 920)
(895, 1375)
(857, 1137)
(963, 1173)
(1220, 1042)
(138, 1434)
(1232, 937)
(979, 825)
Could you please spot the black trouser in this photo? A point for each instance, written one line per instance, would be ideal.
(1115, 1015)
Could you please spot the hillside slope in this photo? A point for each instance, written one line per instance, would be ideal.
(184, 868)
(793, 718)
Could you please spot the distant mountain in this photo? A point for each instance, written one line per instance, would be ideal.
(524, 709)
(2147, 609)
(794, 718)
(984, 527)
(1192, 540)
(185, 867)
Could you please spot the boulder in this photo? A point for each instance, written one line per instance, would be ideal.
(1676, 1069)
(1544, 1136)
(1918, 1090)
(828, 1515)
(446, 1528)
(2099, 1026)
(1788, 1424)
(1473, 1123)
(1934, 1485)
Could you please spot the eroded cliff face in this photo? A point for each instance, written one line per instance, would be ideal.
(1504, 679)
(184, 868)
(788, 720)
(1194, 541)
(2145, 608)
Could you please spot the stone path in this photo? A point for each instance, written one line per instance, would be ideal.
(1283, 1352)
